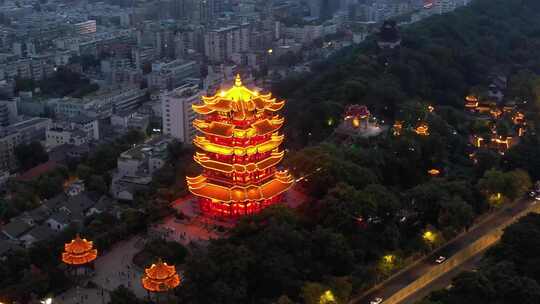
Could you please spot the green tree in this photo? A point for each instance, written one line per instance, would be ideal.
(50, 185)
(84, 172)
(30, 155)
(521, 183)
(494, 185)
(97, 183)
(316, 293)
(123, 295)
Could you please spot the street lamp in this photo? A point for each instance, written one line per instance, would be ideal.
(389, 258)
(387, 264)
(46, 301)
(327, 298)
(429, 236)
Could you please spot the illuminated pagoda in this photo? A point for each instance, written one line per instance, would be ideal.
(160, 278)
(422, 129)
(471, 102)
(358, 116)
(239, 152)
(79, 252)
(518, 118)
(434, 172)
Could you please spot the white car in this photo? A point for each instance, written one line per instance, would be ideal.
(440, 259)
(537, 198)
(376, 301)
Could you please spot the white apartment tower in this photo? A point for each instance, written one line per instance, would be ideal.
(445, 6)
(220, 44)
(177, 113)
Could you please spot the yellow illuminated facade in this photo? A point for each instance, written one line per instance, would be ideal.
(239, 151)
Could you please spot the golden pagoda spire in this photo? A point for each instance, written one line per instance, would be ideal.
(238, 81)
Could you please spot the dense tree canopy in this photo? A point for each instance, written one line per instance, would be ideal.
(30, 155)
(372, 198)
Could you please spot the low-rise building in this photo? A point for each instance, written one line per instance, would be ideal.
(130, 120)
(71, 211)
(123, 99)
(136, 167)
(59, 136)
(15, 229)
(168, 75)
(58, 221)
(24, 132)
(86, 124)
(37, 234)
(70, 107)
(8, 112)
(7, 247)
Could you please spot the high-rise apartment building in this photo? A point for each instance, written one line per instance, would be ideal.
(86, 27)
(177, 112)
(220, 44)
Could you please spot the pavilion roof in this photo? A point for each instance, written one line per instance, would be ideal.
(160, 277)
(200, 186)
(240, 100)
(79, 251)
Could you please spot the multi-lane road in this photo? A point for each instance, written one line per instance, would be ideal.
(408, 276)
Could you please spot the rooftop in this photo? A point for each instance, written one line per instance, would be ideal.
(38, 170)
(6, 246)
(15, 229)
(16, 127)
(61, 217)
(42, 232)
(81, 119)
(154, 148)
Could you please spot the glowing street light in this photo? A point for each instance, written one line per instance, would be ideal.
(330, 122)
(496, 198)
(327, 298)
(429, 236)
(387, 264)
(46, 301)
(389, 258)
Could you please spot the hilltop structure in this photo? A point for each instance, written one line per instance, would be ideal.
(239, 152)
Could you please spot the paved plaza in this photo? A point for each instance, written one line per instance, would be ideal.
(83, 295)
(113, 269)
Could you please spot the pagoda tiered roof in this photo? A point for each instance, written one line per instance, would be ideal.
(209, 146)
(208, 163)
(223, 129)
(202, 187)
(79, 252)
(160, 277)
(239, 100)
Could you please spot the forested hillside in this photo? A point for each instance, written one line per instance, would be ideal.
(441, 58)
(372, 200)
